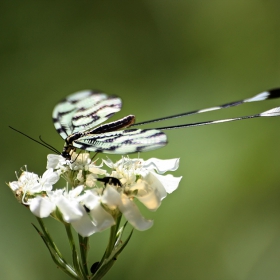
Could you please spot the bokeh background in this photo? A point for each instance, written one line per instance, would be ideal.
(161, 57)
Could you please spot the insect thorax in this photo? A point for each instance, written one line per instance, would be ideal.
(68, 146)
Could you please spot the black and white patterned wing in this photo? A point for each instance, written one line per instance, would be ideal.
(122, 141)
(83, 110)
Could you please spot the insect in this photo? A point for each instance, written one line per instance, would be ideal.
(78, 119)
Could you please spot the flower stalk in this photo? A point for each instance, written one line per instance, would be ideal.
(84, 247)
(54, 252)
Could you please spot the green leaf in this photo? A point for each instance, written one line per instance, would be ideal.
(119, 250)
(120, 234)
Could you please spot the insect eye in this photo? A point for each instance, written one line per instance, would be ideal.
(66, 155)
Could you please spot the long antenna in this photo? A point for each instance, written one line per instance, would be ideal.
(270, 113)
(47, 144)
(43, 143)
(270, 94)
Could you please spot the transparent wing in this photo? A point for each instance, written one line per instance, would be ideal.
(83, 110)
(123, 141)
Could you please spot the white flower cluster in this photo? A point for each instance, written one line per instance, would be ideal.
(91, 206)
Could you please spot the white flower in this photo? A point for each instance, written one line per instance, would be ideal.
(80, 161)
(139, 180)
(66, 202)
(57, 162)
(30, 183)
(26, 182)
(113, 199)
(69, 205)
(90, 180)
(95, 218)
(48, 179)
(94, 172)
(42, 206)
(83, 211)
(87, 170)
(88, 207)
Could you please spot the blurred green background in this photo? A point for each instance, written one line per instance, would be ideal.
(161, 57)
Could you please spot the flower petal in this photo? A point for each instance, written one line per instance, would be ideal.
(41, 207)
(108, 162)
(95, 170)
(71, 210)
(50, 176)
(133, 215)
(111, 197)
(128, 208)
(90, 180)
(96, 219)
(169, 182)
(55, 161)
(48, 179)
(14, 185)
(162, 165)
(86, 227)
(150, 197)
(83, 225)
(75, 192)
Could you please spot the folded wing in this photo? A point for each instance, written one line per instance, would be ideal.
(84, 110)
(122, 141)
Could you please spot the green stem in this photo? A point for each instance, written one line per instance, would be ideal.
(112, 240)
(46, 233)
(113, 236)
(55, 253)
(75, 257)
(84, 246)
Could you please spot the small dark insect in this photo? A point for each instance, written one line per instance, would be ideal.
(110, 180)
